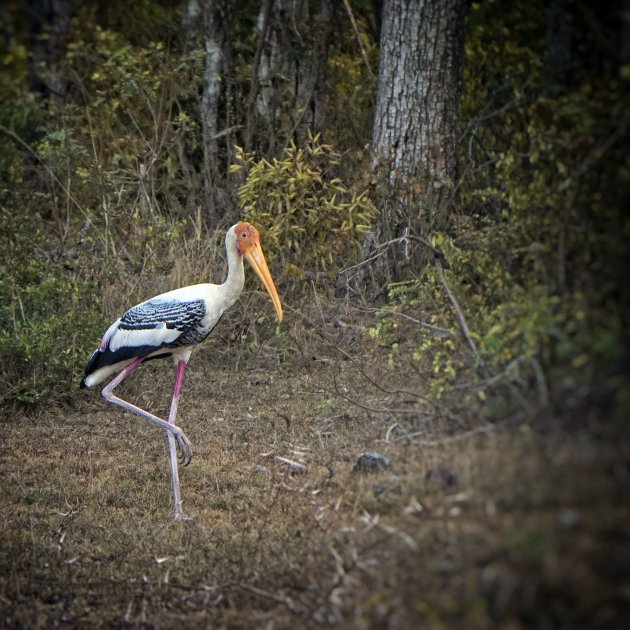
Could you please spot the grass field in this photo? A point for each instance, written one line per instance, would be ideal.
(520, 523)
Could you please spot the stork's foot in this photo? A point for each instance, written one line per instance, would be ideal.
(180, 515)
(184, 448)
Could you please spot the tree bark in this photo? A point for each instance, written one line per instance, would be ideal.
(624, 32)
(560, 18)
(217, 25)
(48, 22)
(416, 121)
(192, 16)
(289, 73)
(315, 118)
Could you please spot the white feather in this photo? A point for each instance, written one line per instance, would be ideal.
(155, 337)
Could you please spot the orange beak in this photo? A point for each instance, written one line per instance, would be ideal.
(256, 259)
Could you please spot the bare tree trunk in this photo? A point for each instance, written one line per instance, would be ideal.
(218, 29)
(289, 72)
(192, 17)
(560, 18)
(417, 118)
(274, 86)
(315, 109)
(624, 33)
(258, 69)
(48, 22)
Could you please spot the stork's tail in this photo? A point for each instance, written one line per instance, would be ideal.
(92, 365)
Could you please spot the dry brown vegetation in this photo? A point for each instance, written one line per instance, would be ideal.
(519, 523)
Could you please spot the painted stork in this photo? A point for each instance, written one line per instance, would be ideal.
(172, 324)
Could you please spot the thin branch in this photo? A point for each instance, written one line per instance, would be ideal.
(376, 409)
(434, 250)
(226, 132)
(380, 253)
(296, 124)
(443, 333)
(368, 378)
(435, 405)
(259, 591)
(382, 247)
(439, 263)
(496, 379)
(541, 382)
(294, 466)
(486, 428)
(460, 315)
(358, 36)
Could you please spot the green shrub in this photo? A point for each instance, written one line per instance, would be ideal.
(49, 317)
(545, 197)
(91, 195)
(312, 221)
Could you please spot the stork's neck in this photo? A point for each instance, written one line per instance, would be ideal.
(233, 285)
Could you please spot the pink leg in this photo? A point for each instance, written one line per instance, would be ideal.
(178, 510)
(183, 442)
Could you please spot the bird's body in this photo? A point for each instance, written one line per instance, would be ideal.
(172, 324)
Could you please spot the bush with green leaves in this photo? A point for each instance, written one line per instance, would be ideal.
(91, 196)
(117, 147)
(49, 316)
(311, 220)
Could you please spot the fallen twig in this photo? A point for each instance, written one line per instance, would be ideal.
(376, 409)
(294, 466)
(486, 428)
(261, 592)
(443, 333)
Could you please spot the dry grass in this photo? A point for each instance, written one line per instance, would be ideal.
(510, 526)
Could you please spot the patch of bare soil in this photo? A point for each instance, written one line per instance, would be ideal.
(461, 524)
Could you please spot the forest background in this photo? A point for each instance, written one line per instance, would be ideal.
(490, 281)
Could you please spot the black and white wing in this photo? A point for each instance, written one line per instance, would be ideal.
(146, 330)
(160, 323)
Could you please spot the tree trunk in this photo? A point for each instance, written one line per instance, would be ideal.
(192, 17)
(48, 22)
(289, 73)
(560, 18)
(416, 121)
(314, 118)
(624, 32)
(217, 25)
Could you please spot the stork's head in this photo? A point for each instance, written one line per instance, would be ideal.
(247, 241)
